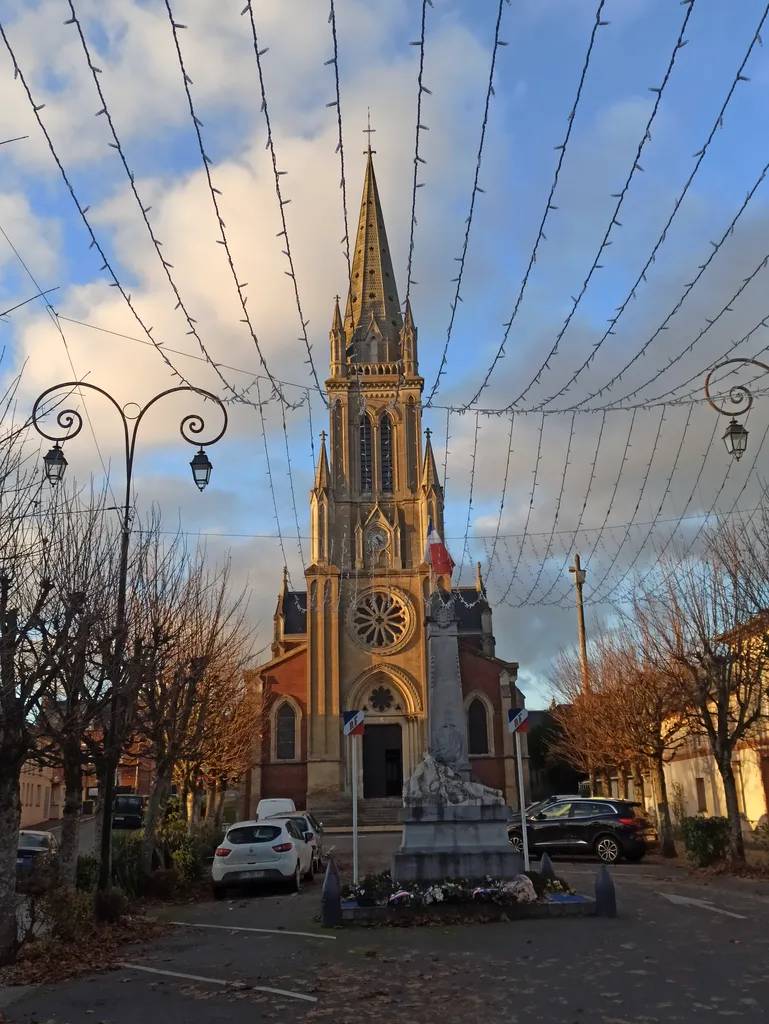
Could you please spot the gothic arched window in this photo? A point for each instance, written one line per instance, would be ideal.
(366, 460)
(386, 453)
(285, 733)
(477, 727)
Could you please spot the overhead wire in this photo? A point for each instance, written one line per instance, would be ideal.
(421, 88)
(340, 144)
(271, 482)
(465, 548)
(492, 556)
(614, 489)
(476, 189)
(598, 23)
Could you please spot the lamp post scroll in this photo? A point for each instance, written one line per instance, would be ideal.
(70, 422)
(736, 435)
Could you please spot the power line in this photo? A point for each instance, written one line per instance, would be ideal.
(421, 88)
(340, 145)
(548, 205)
(700, 156)
(615, 488)
(465, 549)
(490, 559)
(474, 193)
(514, 573)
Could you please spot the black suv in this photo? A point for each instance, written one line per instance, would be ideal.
(609, 828)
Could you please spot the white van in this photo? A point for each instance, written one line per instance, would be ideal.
(277, 805)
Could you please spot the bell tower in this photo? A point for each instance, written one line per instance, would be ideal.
(374, 493)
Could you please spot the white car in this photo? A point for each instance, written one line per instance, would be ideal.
(262, 851)
(274, 805)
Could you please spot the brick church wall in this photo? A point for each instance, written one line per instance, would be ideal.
(480, 673)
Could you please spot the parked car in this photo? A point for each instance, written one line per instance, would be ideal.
(33, 848)
(539, 805)
(273, 850)
(311, 829)
(274, 805)
(127, 811)
(606, 827)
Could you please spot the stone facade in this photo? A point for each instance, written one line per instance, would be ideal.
(355, 637)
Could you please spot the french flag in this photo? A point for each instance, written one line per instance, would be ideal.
(436, 554)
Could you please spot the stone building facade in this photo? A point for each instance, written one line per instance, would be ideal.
(354, 637)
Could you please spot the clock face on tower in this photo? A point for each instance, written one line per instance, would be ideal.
(376, 541)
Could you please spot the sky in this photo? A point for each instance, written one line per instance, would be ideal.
(618, 473)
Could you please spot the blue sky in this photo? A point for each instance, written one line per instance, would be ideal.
(535, 83)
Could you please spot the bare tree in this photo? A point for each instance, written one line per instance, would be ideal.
(191, 628)
(704, 629)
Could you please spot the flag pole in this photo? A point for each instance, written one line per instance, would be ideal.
(353, 740)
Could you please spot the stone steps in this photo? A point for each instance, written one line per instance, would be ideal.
(370, 813)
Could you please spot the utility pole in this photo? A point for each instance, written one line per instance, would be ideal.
(579, 579)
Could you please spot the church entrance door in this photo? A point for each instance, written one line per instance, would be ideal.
(382, 761)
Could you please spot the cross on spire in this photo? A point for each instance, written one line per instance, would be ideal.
(367, 131)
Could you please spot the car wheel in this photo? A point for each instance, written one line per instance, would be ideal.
(607, 849)
(296, 878)
(516, 842)
(220, 892)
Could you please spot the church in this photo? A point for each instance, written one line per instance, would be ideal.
(354, 638)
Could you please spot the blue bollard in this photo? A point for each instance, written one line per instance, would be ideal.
(546, 868)
(331, 897)
(605, 896)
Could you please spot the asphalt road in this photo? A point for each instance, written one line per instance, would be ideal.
(87, 834)
(679, 951)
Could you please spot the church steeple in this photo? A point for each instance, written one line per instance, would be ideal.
(373, 320)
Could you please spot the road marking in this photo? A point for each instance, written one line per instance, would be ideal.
(687, 901)
(262, 931)
(220, 981)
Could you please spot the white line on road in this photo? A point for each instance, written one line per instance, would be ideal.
(687, 901)
(263, 931)
(220, 981)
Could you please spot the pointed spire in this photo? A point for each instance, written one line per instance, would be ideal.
(479, 580)
(336, 323)
(429, 469)
(408, 318)
(284, 587)
(372, 286)
(322, 472)
(409, 342)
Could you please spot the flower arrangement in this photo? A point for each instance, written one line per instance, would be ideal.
(382, 889)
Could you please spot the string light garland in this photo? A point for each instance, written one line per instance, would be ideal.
(144, 210)
(613, 220)
(476, 189)
(492, 556)
(271, 482)
(83, 213)
(615, 488)
(421, 88)
(700, 156)
(465, 548)
(240, 286)
(598, 23)
(556, 513)
(282, 203)
(340, 144)
(514, 573)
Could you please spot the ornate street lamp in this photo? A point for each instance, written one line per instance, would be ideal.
(201, 469)
(736, 434)
(70, 423)
(55, 464)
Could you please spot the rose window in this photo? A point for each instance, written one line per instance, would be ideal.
(381, 698)
(381, 620)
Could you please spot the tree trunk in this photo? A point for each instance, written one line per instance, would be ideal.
(70, 824)
(157, 800)
(221, 789)
(625, 783)
(606, 783)
(638, 783)
(10, 816)
(667, 842)
(210, 801)
(736, 842)
(99, 769)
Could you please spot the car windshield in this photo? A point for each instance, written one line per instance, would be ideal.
(128, 804)
(33, 842)
(253, 834)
